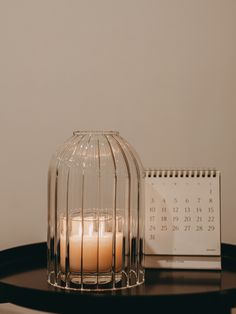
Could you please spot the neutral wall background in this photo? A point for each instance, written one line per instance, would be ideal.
(161, 72)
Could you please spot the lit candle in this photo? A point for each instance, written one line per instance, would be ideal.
(97, 248)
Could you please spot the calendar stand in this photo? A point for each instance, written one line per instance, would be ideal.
(23, 282)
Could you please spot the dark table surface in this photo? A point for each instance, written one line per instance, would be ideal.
(23, 281)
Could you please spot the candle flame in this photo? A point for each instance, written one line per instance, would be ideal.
(90, 229)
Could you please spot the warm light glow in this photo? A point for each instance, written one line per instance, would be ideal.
(91, 240)
(90, 228)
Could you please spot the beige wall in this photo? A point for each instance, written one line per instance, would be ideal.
(161, 72)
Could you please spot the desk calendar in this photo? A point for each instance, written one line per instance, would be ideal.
(182, 219)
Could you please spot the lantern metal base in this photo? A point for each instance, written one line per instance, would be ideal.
(93, 282)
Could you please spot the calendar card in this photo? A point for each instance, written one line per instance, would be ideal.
(182, 219)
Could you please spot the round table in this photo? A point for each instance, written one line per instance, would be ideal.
(23, 282)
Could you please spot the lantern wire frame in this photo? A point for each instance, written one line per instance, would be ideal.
(95, 213)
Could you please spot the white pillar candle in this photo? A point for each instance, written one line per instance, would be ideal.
(97, 250)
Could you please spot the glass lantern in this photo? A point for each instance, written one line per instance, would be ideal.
(95, 213)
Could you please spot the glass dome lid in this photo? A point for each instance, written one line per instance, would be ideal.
(95, 213)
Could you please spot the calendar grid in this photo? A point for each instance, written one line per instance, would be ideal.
(182, 216)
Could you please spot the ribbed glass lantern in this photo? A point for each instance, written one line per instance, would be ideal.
(95, 213)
